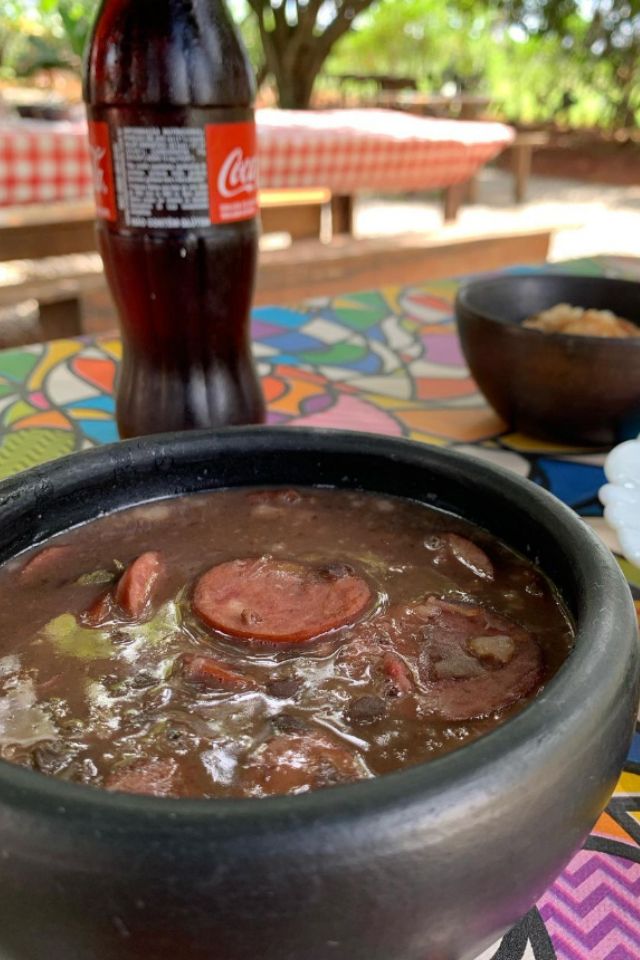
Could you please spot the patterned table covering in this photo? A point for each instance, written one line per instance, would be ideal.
(386, 361)
(352, 150)
(344, 150)
(42, 161)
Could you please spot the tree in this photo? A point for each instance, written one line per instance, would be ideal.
(297, 37)
(43, 35)
(603, 35)
(572, 60)
(76, 17)
(30, 42)
(432, 41)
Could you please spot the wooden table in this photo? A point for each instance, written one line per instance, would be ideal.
(521, 150)
(387, 360)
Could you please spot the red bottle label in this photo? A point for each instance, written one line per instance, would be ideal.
(174, 177)
(102, 164)
(233, 171)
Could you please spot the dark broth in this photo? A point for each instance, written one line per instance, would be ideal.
(440, 615)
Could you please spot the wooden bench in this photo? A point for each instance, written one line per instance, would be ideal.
(56, 229)
(46, 230)
(48, 254)
(73, 296)
(20, 324)
(48, 259)
(346, 265)
(296, 212)
(57, 285)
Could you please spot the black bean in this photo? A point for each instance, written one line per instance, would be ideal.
(287, 723)
(143, 680)
(120, 638)
(335, 571)
(52, 757)
(367, 709)
(284, 688)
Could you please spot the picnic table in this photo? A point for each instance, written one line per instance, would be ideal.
(387, 361)
(346, 151)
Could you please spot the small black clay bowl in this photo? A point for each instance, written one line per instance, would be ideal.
(582, 390)
(429, 863)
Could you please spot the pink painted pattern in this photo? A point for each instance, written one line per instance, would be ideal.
(592, 911)
(351, 413)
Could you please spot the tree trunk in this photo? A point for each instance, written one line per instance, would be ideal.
(295, 86)
(626, 75)
(295, 54)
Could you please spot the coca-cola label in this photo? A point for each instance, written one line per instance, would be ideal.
(102, 166)
(174, 177)
(233, 171)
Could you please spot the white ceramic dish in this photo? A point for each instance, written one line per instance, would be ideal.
(621, 496)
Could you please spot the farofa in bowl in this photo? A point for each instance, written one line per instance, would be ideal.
(579, 388)
(576, 321)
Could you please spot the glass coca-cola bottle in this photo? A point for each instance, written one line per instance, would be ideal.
(169, 94)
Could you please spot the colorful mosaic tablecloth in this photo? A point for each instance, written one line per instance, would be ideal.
(387, 361)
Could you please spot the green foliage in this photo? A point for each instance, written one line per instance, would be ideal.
(29, 54)
(247, 23)
(573, 60)
(44, 34)
(537, 59)
(76, 17)
(602, 37)
(430, 40)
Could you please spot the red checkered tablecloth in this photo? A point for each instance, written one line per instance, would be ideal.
(352, 150)
(344, 150)
(42, 161)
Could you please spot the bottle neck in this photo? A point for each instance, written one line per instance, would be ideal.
(167, 53)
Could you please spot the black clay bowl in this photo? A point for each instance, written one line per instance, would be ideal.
(583, 390)
(431, 863)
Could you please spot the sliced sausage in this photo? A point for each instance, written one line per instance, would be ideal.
(452, 549)
(470, 661)
(156, 778)
(131, 595)
(298, 763)
(100, 610)
(278, 601)
(45, 564)
(474, 662)
(211, 674)
(470, 555)
(380, 649)
(135, 587)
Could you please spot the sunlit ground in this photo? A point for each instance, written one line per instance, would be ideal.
(587, 218)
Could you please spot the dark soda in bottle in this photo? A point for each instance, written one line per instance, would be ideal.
(169, 95)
